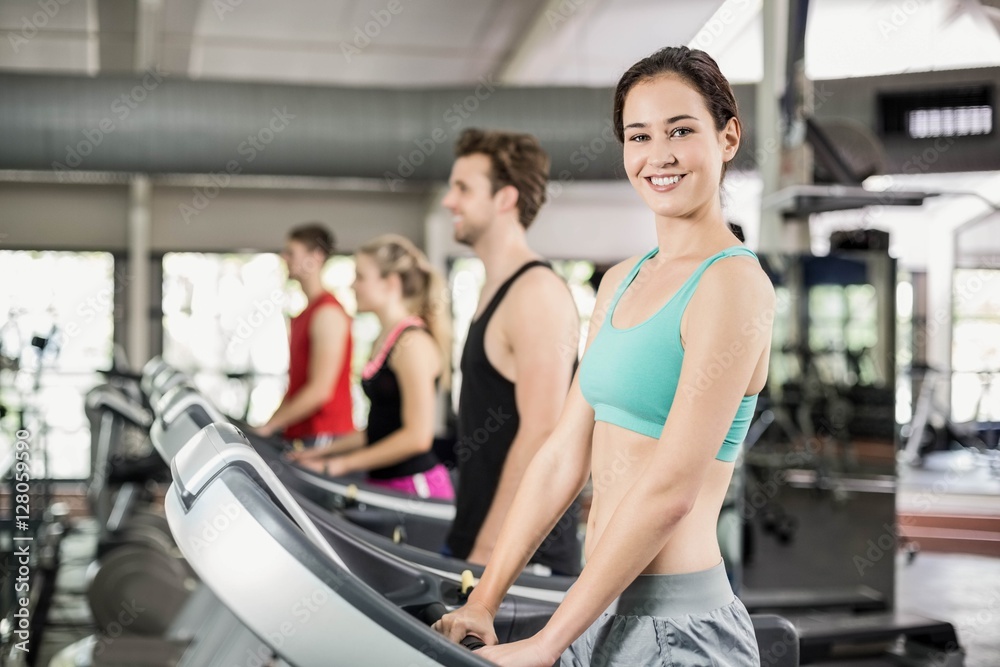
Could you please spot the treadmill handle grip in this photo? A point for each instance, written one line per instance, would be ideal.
(473, 643)
(433, 613)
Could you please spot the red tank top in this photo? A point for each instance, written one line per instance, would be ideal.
(334, 417)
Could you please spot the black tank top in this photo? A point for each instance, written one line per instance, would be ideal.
(385, 417)
(487, 423)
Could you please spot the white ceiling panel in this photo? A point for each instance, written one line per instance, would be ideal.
(448, 24)
(329, 66)
(282, 22)
(57, 39)
(444, 42)
(18, 15)
(595, 43)
(52, 53)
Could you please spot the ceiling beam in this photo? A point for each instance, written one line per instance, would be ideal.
(147, 34)
(178, 25)
(116, 21)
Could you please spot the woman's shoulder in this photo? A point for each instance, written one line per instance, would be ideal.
(616, 274)
(737, 275)
(414, 340)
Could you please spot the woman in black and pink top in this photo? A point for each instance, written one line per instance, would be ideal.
(410, 357)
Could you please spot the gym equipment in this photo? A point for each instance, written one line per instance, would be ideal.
(39, 520)
(136, 556)
(140, 572)
(185, 410)
(323, 608)
(123, 461)
(204, 633)
(821, 460)
(145, 601)
(931, 428)
(182, 413)
(187, 413)
(149, 371)
(353, 606)
(422, 522)
(163, 383)
(159, 377)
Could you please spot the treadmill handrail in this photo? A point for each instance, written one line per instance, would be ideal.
(164, 370)
(425, 561)
(209, 453)
(149, 371)
(180, 398)
(161, 388)
(181, 401)
(110, 398)
(407, 505)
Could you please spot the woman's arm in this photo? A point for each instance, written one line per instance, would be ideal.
(551, 482)
(416, 361)
(728, 319)
(340, 445)
(554, 477)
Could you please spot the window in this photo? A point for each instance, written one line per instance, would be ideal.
(225, 322)
(949, 122)
(904, 347)
(958, 112)
(68, 299)
(975, 388)
(843, 329)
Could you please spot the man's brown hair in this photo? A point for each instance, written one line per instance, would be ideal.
(314, 236)
(516, 159)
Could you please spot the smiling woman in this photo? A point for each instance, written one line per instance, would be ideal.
(677, 352)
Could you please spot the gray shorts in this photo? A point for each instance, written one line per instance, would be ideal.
(683, 620)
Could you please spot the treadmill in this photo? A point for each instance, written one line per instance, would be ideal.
(316, 602)
(204, 631)
(186, 413)
(254, 546)
(418, 521)
(182, 402)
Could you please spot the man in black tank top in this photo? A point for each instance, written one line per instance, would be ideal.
(520, 353)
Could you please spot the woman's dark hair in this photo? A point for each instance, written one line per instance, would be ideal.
(696, 68)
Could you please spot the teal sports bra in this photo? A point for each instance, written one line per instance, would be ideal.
(629, 376)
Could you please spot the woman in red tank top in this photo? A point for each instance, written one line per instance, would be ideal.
(317, 405)
(396, 282)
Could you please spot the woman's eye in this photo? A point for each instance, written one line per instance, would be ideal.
(639, 137)
(678, 132)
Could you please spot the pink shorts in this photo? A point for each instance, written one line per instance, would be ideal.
(434, 483)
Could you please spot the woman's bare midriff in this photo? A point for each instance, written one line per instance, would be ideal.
(618, 457)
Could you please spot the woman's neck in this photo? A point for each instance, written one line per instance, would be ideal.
(392, 314)
(692, 237)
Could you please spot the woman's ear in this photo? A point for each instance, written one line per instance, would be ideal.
(730, 139)
(395, 281)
